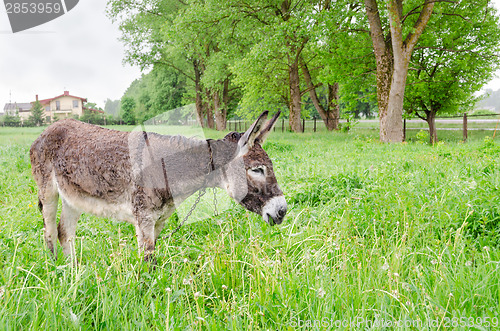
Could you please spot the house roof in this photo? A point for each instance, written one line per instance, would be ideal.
(21, 106)
(65, 94)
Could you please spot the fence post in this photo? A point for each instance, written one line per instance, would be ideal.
(465, 127)
(303, 125)
(404, 129)
(314, 123)
(282, 125)
(496, 127)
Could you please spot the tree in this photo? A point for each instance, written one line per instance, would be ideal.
(270, 73)
(112, 107)
(159, 91)
(338, 59)
(204, 31)
(176, 35)
(127, 110)
(93, 114)
(456, 56)
(36, 117)
(490, 100)
(331, 113)
(11, 120)
(393, 44)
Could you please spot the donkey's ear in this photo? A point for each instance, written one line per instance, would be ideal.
(267, 129)
(248, 139)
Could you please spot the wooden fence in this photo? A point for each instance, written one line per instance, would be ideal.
(310, 125)
(456, 123)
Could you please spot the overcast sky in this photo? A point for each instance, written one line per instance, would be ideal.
(78, 52)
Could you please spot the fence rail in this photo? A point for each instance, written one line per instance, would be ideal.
(463, 122)
(314, 124)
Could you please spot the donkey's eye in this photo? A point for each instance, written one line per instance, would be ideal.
(258, 171)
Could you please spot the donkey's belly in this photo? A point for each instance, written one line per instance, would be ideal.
(93, 205)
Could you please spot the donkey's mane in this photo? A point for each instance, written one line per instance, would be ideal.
(177, 141)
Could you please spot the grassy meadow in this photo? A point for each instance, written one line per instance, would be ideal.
(377, 236)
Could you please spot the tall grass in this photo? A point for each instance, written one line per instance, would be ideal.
(375, 233)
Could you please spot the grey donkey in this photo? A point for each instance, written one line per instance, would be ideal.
(140, 177)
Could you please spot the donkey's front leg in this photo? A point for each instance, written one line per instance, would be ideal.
(145, 231)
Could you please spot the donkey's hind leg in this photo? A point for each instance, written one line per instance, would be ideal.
(47, 201)
(67, 228)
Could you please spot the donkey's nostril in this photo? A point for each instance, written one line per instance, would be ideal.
(281, 212)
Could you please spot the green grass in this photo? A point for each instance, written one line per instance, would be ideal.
(374, 232)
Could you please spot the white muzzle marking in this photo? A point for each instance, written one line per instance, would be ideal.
(274, 210)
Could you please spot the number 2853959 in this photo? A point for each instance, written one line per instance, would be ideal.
(33, 7)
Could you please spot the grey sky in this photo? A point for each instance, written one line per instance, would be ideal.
(78, 52)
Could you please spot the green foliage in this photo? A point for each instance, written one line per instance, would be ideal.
(483, 112)
(490, 147)
(194, 48)
(278, 35)
(9, 120)
(490, 99)
(177, 116)
(112, 107)
(127, 110)
(91, 115)
(36, 117)
(157, 92)
(166, 35)
(422, 136)
(344, 48)
(323, 190)
(455, 57)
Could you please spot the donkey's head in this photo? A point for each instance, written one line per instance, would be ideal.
(250, 175)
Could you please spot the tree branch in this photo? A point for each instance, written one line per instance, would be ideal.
(168, 64)
(376, 32)
(423, 18)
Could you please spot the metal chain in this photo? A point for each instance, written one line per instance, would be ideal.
(212, 166)
(200, 194)
(215, 202)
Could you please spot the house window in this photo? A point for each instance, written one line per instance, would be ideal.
(75, 103)
(58, 105)
(47, 108)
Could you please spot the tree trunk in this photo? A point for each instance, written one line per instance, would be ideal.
(209, 109)
(391, 128)
(431, 120)
(392, 58)
(333, 106)
(384, 79)
(220, 114)
(295, 102)
(225, 97)
(199, 98)
(327, 115)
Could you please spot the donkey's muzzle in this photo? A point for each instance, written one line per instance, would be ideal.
(274, 210)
